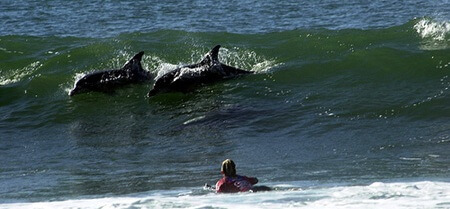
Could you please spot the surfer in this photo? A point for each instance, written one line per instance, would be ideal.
(231, 182)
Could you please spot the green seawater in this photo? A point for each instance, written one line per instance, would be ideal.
(350, 105)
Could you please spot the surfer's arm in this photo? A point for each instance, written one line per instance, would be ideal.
(219, 185)
(252, 180)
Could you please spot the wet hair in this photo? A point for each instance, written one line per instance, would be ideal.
(228, 168)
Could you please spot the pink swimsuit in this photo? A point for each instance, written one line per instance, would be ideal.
(235, 184)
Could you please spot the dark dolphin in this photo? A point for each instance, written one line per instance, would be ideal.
(184, 78)
(107, 80)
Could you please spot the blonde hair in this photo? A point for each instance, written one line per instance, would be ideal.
(228, 168)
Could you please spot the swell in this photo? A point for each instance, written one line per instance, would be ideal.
(367, 73)
(23, 55)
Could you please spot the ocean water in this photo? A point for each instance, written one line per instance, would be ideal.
(348, 106)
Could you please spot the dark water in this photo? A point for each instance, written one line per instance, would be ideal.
(111, 17)
(344, 93)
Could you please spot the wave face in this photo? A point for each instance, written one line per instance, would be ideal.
(325, 106)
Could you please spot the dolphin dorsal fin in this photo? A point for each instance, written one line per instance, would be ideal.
(135, 60)
(212, 56)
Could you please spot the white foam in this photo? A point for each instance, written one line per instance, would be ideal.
(436, 30)
(83, 203)
(77, 77)
(243, 59)
(434, 33)
(423, 194)
(193, 120)
(246, 60)
(190, 72)
(18, 74)
(164, 68)
(387, 195)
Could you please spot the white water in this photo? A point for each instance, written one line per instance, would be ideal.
(18, 74)
(424, 194)
(435, 33)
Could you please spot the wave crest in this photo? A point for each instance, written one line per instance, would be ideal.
(10, 77)
(435, 33)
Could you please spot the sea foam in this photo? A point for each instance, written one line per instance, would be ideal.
(434, 33)
(425, 194)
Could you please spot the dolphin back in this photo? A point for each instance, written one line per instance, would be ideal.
(184, 79)
(232, 71)
(108, 80)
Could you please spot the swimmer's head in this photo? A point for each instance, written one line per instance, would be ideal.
(228, 168)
